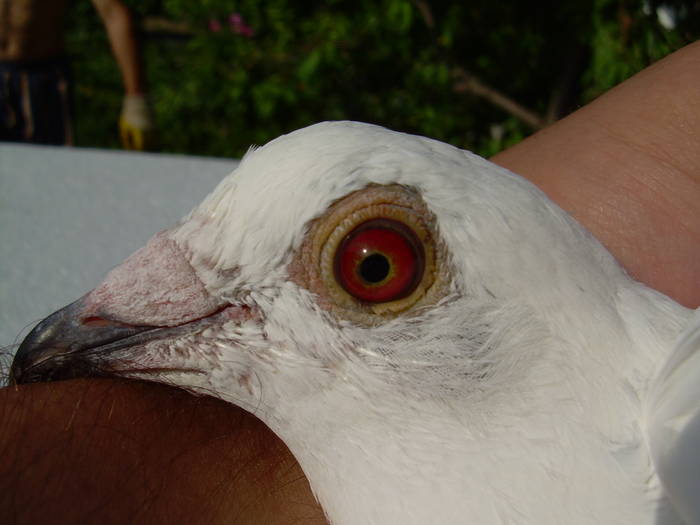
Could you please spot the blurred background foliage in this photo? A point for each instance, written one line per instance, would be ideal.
(482, 75)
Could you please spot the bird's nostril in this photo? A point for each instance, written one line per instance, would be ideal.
(94, 321)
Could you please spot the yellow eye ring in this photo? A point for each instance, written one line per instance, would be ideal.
(393, 212)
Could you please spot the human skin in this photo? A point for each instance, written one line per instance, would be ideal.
(627, 166)
(20, 25)
(113, 451)
(122, 38)
(23, 20)
(117, 451)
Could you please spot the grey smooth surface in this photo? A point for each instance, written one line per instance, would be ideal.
(68, 215)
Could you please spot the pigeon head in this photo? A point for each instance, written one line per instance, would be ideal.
(432, 337)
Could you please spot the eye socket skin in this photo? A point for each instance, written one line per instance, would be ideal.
(403, 268)
(381, 260)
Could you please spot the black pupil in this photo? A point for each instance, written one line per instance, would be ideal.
(374, 268)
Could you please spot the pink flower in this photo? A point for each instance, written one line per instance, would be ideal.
(239, 26)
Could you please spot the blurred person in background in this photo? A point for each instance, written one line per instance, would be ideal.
(35, 79)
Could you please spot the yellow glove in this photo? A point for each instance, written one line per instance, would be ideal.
(135, 123)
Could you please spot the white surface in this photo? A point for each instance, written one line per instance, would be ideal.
(69, 215)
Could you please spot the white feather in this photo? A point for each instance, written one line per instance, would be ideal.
(674, 431)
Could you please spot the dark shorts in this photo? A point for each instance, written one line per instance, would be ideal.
(36, 102)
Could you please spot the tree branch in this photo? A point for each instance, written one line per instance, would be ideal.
(466, 82)
(564, 95)
(157, 24)
(426, 13)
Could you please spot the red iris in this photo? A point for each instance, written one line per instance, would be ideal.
(381, 260)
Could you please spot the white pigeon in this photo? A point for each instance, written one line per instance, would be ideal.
(434, 340)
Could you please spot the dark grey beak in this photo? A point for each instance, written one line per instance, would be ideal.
(66, 345)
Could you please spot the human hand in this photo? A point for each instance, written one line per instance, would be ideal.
(626, 166)
(136, 123)
(116, 451)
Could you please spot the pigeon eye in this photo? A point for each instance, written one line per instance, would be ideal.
(373, 255)
(380, 260)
